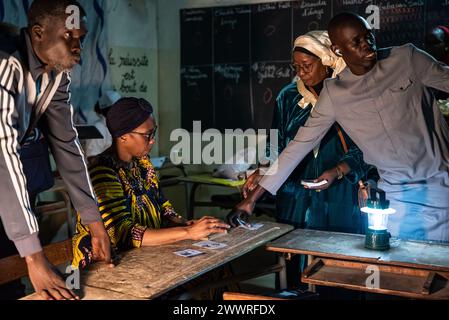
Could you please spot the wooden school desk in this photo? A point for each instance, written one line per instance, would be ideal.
(147, 273)
(413, 269)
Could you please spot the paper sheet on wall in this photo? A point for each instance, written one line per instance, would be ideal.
(131, 71)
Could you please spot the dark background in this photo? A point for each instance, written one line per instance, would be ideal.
(235, 59)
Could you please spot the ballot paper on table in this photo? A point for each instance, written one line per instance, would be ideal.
(188, 253)
(249, 226)
(252, 226)
(213, 245)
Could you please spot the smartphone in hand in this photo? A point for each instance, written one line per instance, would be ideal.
(312, 184)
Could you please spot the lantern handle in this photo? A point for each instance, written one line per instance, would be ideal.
(378, 199)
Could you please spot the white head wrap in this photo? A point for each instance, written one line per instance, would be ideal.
(318, 43)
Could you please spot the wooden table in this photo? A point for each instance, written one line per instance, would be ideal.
(152, 271)
(91, 293)
(412, 269)
(206, 179)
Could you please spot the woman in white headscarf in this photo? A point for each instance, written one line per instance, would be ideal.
(336, 208)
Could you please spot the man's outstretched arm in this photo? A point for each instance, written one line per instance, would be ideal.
(308, 136)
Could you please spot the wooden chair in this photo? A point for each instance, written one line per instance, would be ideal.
(58, 207)
(14, 267)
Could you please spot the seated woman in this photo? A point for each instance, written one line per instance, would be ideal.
(133, 208)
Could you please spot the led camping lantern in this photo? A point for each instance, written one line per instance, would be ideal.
(377, 208)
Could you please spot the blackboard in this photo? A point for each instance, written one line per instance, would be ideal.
(232, 102)
(197, 94)
(235, 59)
(437, 13)
(310, 15)
(231, 30)
(268, 78)
(401, 22)
(271, 32)
(196, 37)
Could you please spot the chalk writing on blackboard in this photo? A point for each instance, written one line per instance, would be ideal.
(266, 7)
(224, 12)
(270, 71)
(284, 5)
(311, 15)
(228, 22)
(231, 11)
(193, 15)
(267, 96)
(313, 8)
(270, 30)
(191, 75)
(242, 10)
(228, 17)
(229, 72)
(405, 4)
(273, 6)
(352, 2)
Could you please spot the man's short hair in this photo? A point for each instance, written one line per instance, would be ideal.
(342, 19)
(42, 10)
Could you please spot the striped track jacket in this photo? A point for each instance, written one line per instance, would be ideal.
(19, 70)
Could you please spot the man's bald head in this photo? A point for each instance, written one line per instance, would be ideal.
(352, 38)
(343, 20)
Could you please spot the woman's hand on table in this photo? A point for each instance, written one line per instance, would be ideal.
(202, 228)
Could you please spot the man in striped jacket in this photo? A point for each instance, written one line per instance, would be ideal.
(44, 54)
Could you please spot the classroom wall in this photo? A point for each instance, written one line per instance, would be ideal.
(133, 24)
(170, 61)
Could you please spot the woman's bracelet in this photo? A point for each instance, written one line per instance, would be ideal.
(340, 174)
